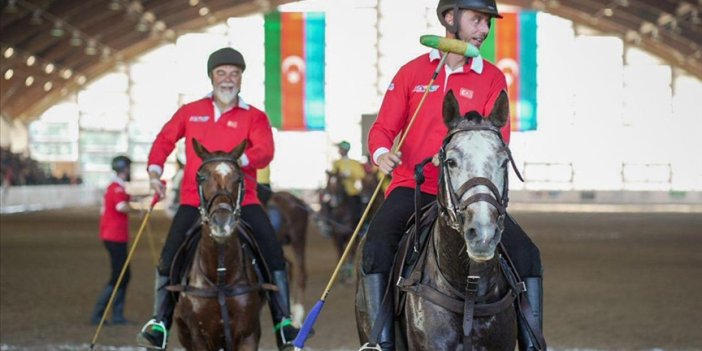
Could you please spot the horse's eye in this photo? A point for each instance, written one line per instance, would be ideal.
(201, 178)
(451, 163)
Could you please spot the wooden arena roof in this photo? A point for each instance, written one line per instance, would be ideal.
(62, 44)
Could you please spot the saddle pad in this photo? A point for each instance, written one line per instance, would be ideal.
(183, 260)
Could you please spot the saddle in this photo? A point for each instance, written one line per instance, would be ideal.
(183, 260)
(411, 247)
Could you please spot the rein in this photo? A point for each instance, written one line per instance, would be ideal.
(449, 200)
(205, 207)
(465, 303)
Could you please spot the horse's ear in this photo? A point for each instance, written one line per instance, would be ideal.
(200, 150)
(238, 150)
(452, 113)
(500, 110)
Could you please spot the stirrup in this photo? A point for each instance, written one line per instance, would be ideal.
(280, 329)
(367, 346)
(144, 338)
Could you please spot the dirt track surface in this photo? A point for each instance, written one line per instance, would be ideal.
(613, 282)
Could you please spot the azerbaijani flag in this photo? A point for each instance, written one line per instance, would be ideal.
(295, 43)
(511, 45)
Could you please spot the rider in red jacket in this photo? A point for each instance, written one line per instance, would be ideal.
(220, 122)
(476, 83)
(114, 233)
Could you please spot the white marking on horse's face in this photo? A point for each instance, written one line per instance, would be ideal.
(224, 169)
(477, 154)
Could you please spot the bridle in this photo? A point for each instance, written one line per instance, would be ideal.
(449, 201)
(206, 207)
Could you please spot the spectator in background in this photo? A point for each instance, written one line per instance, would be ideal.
(114, 233)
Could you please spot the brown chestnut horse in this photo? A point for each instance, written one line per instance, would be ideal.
(336, 219)
(221, 305)
(457, 296)
(289, 215)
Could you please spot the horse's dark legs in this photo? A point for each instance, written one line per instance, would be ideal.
(377, 310)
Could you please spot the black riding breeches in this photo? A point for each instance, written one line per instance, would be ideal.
(272, 250)
(523, 252)
(390, 223)
(253, 215)
(118, 256)
(386, 229)
(184, 219)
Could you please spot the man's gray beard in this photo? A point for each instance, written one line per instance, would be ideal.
(226, 97)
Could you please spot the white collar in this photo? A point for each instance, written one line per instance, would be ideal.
(217, 113)
(241, 104)
(476, 64)
(118, 180)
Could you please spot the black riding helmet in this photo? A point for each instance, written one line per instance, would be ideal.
(225, 56)
(121, 163)
(485, 6)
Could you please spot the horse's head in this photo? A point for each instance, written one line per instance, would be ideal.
(221, 189)
(473, 186)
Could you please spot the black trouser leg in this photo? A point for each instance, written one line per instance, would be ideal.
(184, 219)
(256, 217)
(164, 302)
(101, 304)
(387, 228)
(118, 307)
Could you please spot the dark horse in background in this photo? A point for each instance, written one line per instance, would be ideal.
(457, 296)
(220, 303)
(289, 216)
(336, 219)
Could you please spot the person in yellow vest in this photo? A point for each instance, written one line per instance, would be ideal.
(352, 173)
(263, 180)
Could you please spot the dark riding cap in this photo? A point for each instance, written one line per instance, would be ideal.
(225, 56)
(121, 163)
(485, 6)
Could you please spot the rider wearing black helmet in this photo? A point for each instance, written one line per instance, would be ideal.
(114, 233)
(477, 84)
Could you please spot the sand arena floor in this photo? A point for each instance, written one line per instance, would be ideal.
(614, 281)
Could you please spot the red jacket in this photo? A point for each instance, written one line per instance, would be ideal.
(196, 120)
(114, 225)
(476, 88)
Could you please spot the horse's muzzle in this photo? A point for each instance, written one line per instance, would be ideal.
(481, 241)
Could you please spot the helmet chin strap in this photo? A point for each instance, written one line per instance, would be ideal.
(456, 25)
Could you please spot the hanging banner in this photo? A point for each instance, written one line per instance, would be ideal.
(511, 46)
(295, 44)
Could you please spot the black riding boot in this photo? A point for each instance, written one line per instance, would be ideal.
(118, 307)
(279, 303)
(374, 288)
(100, 305)
(154, 334)
(535, 296)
